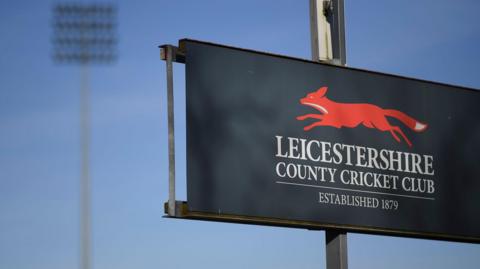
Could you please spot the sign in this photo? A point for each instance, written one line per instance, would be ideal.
(286, 139)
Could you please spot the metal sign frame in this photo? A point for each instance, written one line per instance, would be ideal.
(179, 209)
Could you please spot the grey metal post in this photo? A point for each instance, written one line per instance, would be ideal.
(336, 249)
(314, 31)
(327, 28)
(171, 131)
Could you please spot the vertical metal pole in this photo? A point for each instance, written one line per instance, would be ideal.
(85, 233)
(327, 28)
(171, 132)
(336, 249)
(336, 19)
(314, 30)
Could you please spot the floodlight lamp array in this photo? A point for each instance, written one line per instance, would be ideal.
(84, 33)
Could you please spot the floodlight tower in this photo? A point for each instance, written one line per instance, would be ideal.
(84, 34)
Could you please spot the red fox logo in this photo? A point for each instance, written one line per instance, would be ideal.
(351, 115)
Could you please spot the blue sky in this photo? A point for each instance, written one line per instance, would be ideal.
(39, 153)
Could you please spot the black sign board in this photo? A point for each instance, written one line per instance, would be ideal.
(283, 139)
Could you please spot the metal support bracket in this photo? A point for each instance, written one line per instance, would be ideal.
(327, 7)
(177, 54)
(171, 54)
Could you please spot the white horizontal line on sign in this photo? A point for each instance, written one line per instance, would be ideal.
(352, 190)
